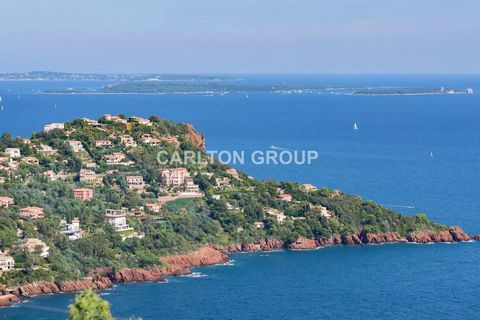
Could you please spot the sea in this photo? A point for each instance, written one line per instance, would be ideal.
(412, 153)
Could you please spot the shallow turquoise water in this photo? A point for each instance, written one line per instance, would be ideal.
(387, 160)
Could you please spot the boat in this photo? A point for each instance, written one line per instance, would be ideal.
(355, 127)
(431, 154)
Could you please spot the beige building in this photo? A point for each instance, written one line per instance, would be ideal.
(32, 213)
(6, 262)
(135, 182)
(174, 177)
(36, 245)
(53, 126)
(13, 152)
(6, 202)
(89, 176)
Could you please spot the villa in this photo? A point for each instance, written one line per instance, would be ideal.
(147, 139)
(128, 141)
(285, 197)
(233, 173)
(114, 158)
(90, 122)
(279, 216)
(117, 219)
(71, 230)
(174, 177)
(6, 262)
(154, 207)
(89, 176)
(32, 212)
(103, 143)
(53, 126)
(135, 182)
(115, 119)
(36, 245)
(190, 186)
(141, 121)
(13, 152)
(77, 146)
(24, 140)
(309, 187)
(46, 150)
(30, 160)
(83, 194)
(222, 182)
(6, 202)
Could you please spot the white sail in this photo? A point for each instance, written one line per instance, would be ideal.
(355, 127)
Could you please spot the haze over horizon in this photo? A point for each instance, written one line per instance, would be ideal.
(240, 37)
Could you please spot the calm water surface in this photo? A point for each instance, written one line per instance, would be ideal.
(387, 160)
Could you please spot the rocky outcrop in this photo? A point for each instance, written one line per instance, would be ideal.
(205, 256)
(138, 275)
(194, 137)
(37, 288)
(458, 234)
(176, 265)
(351, 239)
(427, 236)
(453, 234)
(100, 283)
(49, 287)
(386, 237)
(8, 299)
(304, 244)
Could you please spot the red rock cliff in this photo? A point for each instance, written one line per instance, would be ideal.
(194, 137)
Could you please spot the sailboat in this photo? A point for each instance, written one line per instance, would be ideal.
(355, 127)
(431, 154)
(0, 99)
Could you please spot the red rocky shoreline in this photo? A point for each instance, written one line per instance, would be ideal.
(105, 278)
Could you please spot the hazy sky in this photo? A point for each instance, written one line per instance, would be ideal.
(241, 36)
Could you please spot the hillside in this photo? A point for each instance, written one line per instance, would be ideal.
(87, 194)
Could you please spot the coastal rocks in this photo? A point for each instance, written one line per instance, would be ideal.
(427, 236)
(351, 239)
(100, 283)
(194, 137)
(204, 256)
(458, 234)
(127, 275)
(37, 288)
(453, 234)
(8, 299)
(304, 244)
(378, 238)
(263, 245)
(47, 287)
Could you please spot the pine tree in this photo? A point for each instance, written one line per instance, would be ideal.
(89, 306)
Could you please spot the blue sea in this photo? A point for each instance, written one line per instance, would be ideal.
(411, 153)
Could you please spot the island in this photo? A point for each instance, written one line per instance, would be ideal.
(88, 203)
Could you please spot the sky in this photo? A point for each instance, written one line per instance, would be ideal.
(240, 36)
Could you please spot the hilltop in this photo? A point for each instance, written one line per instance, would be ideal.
(90, 198)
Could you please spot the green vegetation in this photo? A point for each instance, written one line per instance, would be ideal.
(89, 306)
(234, 212)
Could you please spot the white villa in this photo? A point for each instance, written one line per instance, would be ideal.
(71, 230)
(117, 219)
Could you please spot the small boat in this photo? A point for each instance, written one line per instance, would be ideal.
(355, 127)
(0, 99)
(431, 154)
